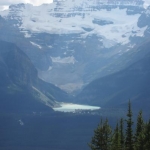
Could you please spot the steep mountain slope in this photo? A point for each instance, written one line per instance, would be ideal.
(115, 90)
(79, 40)
(20, 87)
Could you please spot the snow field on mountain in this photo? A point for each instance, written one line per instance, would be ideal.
(66, 60)
(34, 44)
(42, 19)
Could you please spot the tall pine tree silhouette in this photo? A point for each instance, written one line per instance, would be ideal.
(139, 134)
(116, 139)
(121, 128)
(102, 137)
(147, 136)
(120, 138)
(129, 132)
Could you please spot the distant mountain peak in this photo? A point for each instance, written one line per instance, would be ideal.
(79, 40)
(80, 17)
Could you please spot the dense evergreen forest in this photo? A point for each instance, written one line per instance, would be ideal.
(125, 136)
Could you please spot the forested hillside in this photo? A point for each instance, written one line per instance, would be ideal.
(127, 135)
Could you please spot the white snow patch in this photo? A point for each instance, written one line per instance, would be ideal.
(108, 43)
(50, 68)
(4, 7)
(66, 107)
(70, 87)
(27, 35)
(21, 122)
(34, 44)
(131, 46)
(65, 60)
(146, 3)
(50, 46)
(42, 19)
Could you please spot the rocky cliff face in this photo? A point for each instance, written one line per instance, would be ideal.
(73, 42)
(18, 65)
(20, 87)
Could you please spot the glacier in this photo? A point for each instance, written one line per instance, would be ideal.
(67, 18)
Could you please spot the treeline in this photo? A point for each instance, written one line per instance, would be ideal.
(123, 137)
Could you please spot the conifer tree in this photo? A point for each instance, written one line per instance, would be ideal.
(147, 136)
(122, 133)
(97, 139)
(102, 137)
(116, 140)
(139, 134)
(107, 135)
(129, 131)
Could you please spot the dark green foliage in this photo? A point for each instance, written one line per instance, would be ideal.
(121, 134)
(147, 136)
(120, 138)
(116, 139)
(102, 137)
(129, 131)
(139, 134)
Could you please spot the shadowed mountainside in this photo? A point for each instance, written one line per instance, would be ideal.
(116, 89)
(20, 87)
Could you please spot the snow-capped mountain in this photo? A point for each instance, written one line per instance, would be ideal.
(72, 42)
(107, 20)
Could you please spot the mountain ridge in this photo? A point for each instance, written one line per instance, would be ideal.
(116, 89)
(74, 37)
(20, 84)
